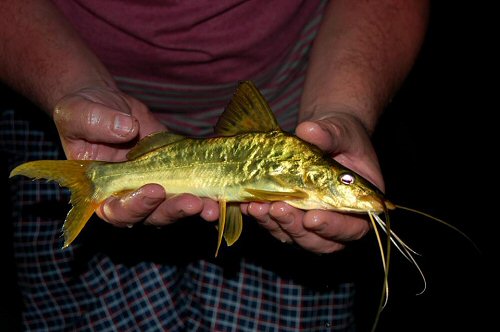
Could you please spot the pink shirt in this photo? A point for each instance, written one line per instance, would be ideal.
(189, 41)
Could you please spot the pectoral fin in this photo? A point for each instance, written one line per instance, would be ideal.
(271, 196)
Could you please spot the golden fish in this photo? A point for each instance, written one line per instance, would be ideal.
(251, 160)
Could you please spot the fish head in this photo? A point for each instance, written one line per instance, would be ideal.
(348, 191)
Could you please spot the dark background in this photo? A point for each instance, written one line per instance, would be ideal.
(435, 143)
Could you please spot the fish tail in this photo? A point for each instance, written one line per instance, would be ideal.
(73, 175)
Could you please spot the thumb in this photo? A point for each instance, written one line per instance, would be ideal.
(347, 140)
(77, 117)
(339, 133)
(319, 134)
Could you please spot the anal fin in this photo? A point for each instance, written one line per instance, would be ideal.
(230, 223)
(234, 224)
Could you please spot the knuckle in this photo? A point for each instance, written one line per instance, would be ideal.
(296, 233)
(92, 115)
(268, 223)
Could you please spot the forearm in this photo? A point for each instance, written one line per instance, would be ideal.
(361, 55)
(41, 56)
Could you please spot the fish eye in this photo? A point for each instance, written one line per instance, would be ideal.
(347, 178)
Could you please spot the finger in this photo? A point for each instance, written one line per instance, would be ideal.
(244, 208)
(288, 218)
(290, 221)
(343, 136)
(175, 208)
(81, 119)
(149, 123)
(335, 226)
(317, 134)
(330, 137)
(260, 211)
(210, 211)
(132, 207)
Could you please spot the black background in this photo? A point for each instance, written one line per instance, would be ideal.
(435, 143)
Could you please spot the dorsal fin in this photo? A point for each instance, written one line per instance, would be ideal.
(247, 112)
(152, 142)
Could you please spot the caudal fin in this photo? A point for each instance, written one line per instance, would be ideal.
(73, 175)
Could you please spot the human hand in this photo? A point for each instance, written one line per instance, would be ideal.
(319, 231)
(100, 123)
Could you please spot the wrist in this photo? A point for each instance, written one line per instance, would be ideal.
(341, 111)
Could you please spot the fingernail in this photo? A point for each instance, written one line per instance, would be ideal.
(123, 124)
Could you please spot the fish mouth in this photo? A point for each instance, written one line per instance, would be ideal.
(389, 205)
(375, 203)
